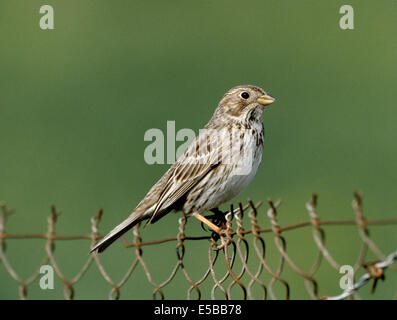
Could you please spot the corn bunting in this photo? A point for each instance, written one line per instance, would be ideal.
(220, 163)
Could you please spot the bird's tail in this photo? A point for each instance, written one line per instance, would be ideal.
(117, 232)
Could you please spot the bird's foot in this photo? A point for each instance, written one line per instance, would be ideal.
(217, 218)
(218, 221)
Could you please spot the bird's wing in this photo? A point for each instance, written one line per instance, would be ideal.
(177, 187)
(199, 159)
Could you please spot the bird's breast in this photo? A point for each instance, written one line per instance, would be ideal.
(232, 176)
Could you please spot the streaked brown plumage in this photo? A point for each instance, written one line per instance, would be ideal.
(219, 164)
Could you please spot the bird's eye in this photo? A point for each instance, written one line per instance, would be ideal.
(245, 95)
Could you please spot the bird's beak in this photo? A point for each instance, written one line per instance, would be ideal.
(265, 100)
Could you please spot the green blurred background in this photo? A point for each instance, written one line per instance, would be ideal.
(76, 101)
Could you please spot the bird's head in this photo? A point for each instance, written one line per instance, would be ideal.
(243, 103)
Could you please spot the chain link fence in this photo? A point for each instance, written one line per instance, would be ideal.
(242, 250)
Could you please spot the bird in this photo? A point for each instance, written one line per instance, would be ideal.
(220, 162)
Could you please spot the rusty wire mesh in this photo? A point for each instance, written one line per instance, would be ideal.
(235, 245)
